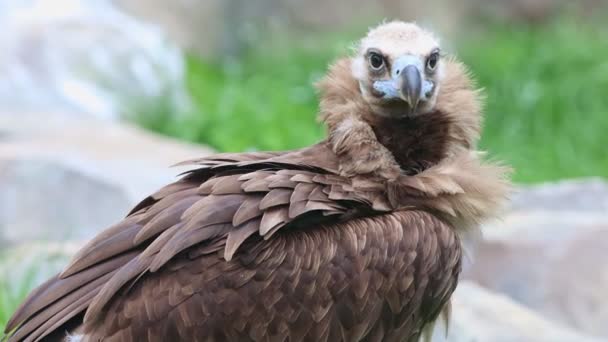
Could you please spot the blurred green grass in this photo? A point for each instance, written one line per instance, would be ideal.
(24, 267)
(12, 293)
(546, 110)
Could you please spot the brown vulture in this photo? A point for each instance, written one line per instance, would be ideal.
(356, 238)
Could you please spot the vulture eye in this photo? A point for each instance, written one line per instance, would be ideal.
(376, 61)
(431, 62)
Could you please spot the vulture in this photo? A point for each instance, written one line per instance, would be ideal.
(359, 237)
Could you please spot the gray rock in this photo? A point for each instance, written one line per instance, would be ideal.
(565, 279)
(71, 178)
(548, 254)
(49, 200)
(85, 58)
(480, 315)
(579, 194)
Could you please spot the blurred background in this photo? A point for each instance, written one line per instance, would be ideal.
(99, 97)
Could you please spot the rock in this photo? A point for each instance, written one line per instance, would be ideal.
(70, 178)
(480, 315)
(582, 195)
(85, 58)
(51, 200)
(548, 253)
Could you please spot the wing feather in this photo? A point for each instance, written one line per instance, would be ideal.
(272, 218)
(105, 249)
(237, 236)
(164, 219)
(52, 316)
(249, 209)
(275, 197)
(56, 287)
(217, 207)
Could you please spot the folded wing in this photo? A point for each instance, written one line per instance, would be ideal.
(215, 208)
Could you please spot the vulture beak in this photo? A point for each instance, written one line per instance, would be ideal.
(406, 82)
(411, 85)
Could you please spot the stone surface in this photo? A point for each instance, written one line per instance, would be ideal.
(549, 254)
(480, 315)
(581, 195)
(87, 58)
(69, 178)
(50, 200)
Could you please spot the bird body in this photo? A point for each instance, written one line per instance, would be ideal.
(356, 238)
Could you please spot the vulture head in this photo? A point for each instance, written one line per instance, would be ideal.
(400, 90)
(399, 69)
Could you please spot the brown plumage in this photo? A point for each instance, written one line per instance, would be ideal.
(355, 238)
